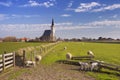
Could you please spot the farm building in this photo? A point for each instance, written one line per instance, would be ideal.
(24, 39)
(49, 35)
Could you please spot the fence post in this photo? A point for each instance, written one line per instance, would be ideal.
(14, 59)
(40, 50)
(31, 56)
(3, 58)
(24, 58)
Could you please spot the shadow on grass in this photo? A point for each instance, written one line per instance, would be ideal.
(109, 73)
(68, 62)
(101, 72)
(18, 60)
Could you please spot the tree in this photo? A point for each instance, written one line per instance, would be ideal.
(100, 38)
(10, 39)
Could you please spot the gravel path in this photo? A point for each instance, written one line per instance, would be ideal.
(55, 72)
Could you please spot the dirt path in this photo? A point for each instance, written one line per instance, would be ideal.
(55, 72)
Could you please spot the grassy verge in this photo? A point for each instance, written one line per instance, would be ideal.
(103, 51)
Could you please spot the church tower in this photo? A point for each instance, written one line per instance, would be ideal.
(52, 30)
(49, 35)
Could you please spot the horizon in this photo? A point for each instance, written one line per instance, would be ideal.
(73, 18)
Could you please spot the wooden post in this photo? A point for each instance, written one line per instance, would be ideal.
(44, 50)
(40, 50)
(24, 58)
(34, 55)
(3, 57)
(14, 59)
(31, 56)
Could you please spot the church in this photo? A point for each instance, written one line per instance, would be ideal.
(49, 35)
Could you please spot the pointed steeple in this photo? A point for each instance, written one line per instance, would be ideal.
(52, 31)
(52, 22)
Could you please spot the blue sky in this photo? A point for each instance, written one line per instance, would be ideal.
(73, 18)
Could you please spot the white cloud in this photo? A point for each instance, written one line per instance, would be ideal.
(87, 6)
(7, 4)
(110, 7)
(32, 3)
(64, 24)
(65, 15)
(15, 16)
(30, 27)
(109, 23)
(92, 7)
(23, 16)
(58, 26)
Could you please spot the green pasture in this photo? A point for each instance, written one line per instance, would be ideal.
(107, 52)
(13, 46)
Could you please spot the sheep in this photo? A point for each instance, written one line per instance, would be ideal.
(90, 53)
(68, 56)
(30, 63)
(94, 65)
(65, 48)
(38, 58)
(84, 66)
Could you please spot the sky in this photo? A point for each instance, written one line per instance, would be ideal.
(73, 18)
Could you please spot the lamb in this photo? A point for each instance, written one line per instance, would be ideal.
(68, 56)
(38, 58)
(30, 63)
(90, 53)
(84, 66)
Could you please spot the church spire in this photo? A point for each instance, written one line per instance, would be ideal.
(52, 30)
(52, 22)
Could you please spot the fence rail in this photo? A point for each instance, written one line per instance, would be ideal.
(7, 60)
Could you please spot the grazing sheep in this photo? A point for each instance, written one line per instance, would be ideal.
(38, 58)
(102, 61)
(90, 53)
(30, 63)
(94, 65)
(65, 48)
(68, 56)
(84, 66)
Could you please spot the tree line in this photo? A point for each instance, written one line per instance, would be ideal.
(14, 39)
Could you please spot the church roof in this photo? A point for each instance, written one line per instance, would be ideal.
(47, 33)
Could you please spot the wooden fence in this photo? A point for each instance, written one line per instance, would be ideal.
(82, 58)
(7, 60)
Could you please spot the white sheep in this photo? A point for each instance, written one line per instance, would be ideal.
(84, 66)
(68, 56)
(30, 63)
(38, 58)
(94, 65)
(65, 48)
(90, 53)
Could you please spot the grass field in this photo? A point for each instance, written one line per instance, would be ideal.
(13, 46)
(107, 52)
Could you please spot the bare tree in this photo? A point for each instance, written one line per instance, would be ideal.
(10, 39)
